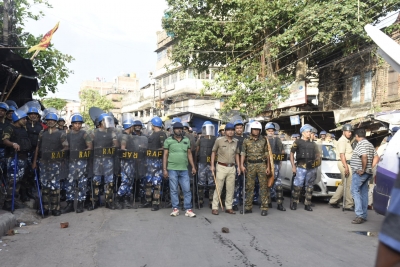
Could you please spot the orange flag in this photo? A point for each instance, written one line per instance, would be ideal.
(45, 42)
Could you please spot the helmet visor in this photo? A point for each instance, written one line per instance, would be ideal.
(208, 129)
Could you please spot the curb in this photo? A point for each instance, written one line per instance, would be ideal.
(7, 222)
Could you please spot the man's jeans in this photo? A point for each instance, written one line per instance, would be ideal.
(359, 190)
(183, 178)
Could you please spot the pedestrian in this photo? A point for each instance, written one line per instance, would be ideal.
(278, 151)
(154, 163)
(16, 140)
(80, 149)
(52, 143)
(362, 162)
(308, 159)
(255, 154)
(322, 136)
(237, 197)
(344, 154)
(177, 154)
(227, 151)
(204, 148)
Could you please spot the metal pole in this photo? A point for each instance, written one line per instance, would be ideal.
(15, 181)
(39, 193)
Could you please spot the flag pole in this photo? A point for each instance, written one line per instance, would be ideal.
(19, 78)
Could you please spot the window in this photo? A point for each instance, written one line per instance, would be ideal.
(393, 82)
(191, 74)
(356, 89)
(182, 75)
(162, 54)
(174, 77)
(368, 86)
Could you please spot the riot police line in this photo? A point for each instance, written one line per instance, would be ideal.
(80, 165)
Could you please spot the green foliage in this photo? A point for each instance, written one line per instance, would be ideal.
(50, 64)
(91, 98)
(258, 46)
(56, 103)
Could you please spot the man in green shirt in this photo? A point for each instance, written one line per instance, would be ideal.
(176, 156)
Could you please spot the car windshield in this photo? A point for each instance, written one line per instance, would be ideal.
(328, 152)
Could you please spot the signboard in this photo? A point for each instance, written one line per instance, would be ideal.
(295, 120)
(297, 95)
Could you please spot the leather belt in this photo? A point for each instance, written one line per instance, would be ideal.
(226, 165)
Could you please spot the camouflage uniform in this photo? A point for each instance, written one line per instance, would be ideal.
(256, 152)
(307, 157)
(17, 135)
(237, 196)
(277, 150)
(77, 167)
(154, 174)
(103, 162)
(52, 166)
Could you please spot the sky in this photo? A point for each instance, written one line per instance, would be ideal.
(106, 38)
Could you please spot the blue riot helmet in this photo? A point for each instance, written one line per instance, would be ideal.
(176, 120)
(77, 118)
(156, 121)
(270, 125)
(18, 115)
(306, 127)
(12, 103)
(126, 124)
(33, 110)
(106, 120)
(137, 123)
(229, 126)
(4, 106)
(208, 128)
(11, 109)
(61, 119)
(322, 133)
(51, 116)
(238, 122)
(185, 124)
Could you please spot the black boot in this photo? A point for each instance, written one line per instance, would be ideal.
(90, 206)
(119, 203)
(45, 213)
(270, 205)
(308, 208)
(79, 207)
(22, 195)
(7, 205)
(235, 207)
(147, 204)
(29, 193)
(56, 212)
(69, 207)
(293, 206)
(63, 195)
(155, 207)
(127, 202)
(281, 208)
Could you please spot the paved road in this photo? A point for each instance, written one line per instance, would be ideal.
(324, 237)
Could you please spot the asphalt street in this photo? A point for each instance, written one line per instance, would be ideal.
(140, 237)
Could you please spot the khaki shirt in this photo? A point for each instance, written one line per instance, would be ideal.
(226, 150)
(344, 147)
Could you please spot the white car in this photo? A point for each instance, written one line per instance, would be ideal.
(328, 174)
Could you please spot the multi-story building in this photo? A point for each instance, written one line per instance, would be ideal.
(172, 90)
(115, 90)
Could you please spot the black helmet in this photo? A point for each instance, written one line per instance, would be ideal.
(347, 127)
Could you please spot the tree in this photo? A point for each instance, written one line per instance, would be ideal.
(259, 47)
(51, 64)
(56, 103)
(91, 98)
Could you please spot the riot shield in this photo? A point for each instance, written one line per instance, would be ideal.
(235, 118)
(47, 111)
(103, 151)
(31, 104)
(140, 144)
(94, 113)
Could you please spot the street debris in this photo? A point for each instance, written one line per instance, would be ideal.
(64, 224)
(22, 224)
(225, 230)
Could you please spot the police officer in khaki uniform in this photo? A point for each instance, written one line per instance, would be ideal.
(227, 150)
(344, 153)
